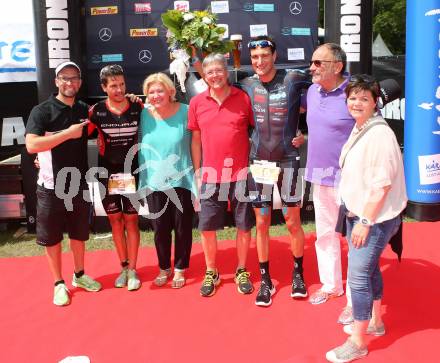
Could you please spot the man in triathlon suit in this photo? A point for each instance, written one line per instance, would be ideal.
(56, 131)
(116, 119)
(274, 158)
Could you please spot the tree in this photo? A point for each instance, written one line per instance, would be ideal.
(390, 22)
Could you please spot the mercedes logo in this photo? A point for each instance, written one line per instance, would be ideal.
(105, 34)
(145, 56)
(295, 8)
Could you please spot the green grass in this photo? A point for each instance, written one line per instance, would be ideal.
(25, 245)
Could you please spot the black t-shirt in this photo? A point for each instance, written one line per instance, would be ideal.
(276, 106)
(53, 116)
(116, 134)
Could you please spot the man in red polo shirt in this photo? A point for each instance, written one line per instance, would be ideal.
(219, 119)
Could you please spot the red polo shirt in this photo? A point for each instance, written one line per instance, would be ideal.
(224, 134)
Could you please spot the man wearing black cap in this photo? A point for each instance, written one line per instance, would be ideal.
(56, 131)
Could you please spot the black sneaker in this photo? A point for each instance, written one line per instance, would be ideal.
(264, 296)
(244, 284)
(298, 286)
(209, 283)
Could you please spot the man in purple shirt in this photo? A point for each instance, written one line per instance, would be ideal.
(329, 125)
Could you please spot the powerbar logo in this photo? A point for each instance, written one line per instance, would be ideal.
(142, 8)
(58, 47)
(147, 32)
(351, 28)
(104, 10)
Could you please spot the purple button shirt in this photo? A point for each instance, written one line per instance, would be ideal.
(329, 125)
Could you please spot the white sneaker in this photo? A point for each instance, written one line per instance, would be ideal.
(133, 282)
(61, 295)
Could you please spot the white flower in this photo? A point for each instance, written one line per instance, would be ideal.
(206, 20)
(188, 16)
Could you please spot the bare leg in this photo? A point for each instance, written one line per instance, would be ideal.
(243, 240)
(209, 244)
(262, 216)
(296, 233)
(53, 254)
(78, 248)
(133, 238)
(359, 329)
(376, 316)
(118, 233)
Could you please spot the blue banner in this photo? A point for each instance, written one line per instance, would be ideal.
(422, 122)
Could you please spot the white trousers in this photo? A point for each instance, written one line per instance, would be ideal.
(328, 245)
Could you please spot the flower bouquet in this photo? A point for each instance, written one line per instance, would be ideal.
(195, 28)
(188, 30)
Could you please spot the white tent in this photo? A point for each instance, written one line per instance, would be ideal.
(380, 49)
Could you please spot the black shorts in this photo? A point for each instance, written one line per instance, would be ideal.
(291, 196)
(53, 218)
(117, 203)
(214, 205)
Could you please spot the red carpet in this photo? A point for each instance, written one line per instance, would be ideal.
(166, 325)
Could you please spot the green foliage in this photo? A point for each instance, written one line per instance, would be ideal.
(390, 23)
(388, 20)
(196, 28)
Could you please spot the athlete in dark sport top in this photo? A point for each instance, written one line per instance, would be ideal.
(276, 102)
(117, 120)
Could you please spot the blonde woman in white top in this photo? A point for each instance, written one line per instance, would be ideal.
(373, 190)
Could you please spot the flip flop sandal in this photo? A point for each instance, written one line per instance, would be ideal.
(162, 278)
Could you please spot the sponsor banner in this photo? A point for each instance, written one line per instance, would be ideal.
(142, 8)
(142, 39)
(107, 58)
(220, 7)
(104, 10)
(295, 54)
(17, 53)
(429, 169)
(257, 29)
(147, 32)
(264, 8)
(422, 102)
(17, 50)
(181, 5)
(301, 31)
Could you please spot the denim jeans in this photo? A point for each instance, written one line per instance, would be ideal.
(364, 276)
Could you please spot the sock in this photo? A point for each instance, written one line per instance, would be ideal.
(264, 270)
(298, 264)
(124, 264)
(59, 282)
(79, 274)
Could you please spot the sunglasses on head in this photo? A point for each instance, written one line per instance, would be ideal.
(362, 78)
(260, 43)
(318, 63)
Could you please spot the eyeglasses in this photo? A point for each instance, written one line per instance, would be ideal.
(260, 43)
(318, 63)
(69, 79)
(214, 72)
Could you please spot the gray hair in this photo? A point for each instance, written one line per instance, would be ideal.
(338, 54)
(215, 58)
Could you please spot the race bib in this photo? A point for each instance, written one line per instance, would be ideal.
(265, 172)
(121, 184)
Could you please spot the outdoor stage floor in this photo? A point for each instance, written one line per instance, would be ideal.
(166, 325)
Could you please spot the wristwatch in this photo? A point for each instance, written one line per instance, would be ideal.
(366, 222)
